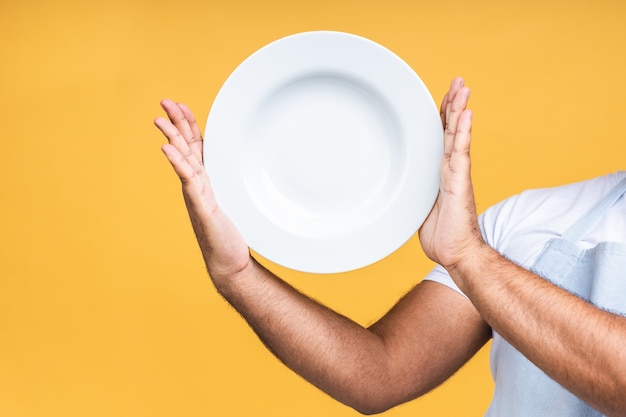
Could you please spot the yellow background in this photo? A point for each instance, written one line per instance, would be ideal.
(105, 307)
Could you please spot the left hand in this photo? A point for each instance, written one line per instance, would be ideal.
(451, 229)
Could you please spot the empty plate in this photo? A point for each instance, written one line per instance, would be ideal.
(324, 149)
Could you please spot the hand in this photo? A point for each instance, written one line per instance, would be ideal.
(451, 229)
(224, 250)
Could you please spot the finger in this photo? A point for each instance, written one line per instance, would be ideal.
(455, 108)
(442, 109)
(175, 139)
(196, 135)
(460, 154)
(172, 134)
(182, 168)
(178, 119)
(455, 86)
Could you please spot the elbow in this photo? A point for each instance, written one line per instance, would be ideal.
(368, 412)
(376, 388)
(368, 409)
(369, 403)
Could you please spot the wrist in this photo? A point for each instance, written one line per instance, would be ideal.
(227, 280)
(473, 266)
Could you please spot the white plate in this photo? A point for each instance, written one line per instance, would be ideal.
(324, 149)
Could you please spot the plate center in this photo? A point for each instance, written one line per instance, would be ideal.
(324, 154)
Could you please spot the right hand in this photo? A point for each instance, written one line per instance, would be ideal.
(451, 232)
(224, 250)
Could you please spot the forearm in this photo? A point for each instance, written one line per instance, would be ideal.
(577, 344)
(334, 353)
(417, 345)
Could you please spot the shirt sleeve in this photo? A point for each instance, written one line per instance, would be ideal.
(440, 275)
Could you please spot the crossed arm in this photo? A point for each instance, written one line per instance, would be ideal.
(430, 332)
(370, 369)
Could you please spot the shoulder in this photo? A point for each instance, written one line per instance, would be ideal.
(520, 225)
